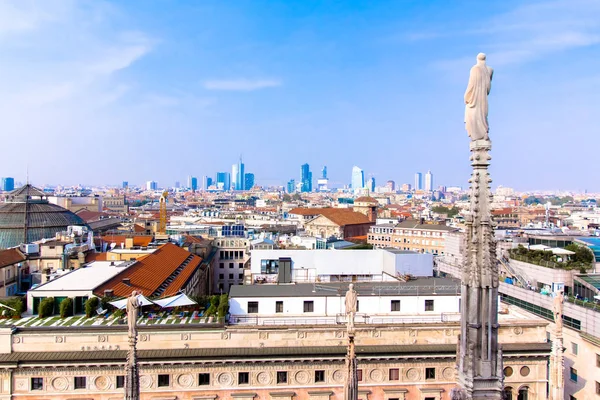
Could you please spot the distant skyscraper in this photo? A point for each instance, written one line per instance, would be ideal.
(371, 185)
(391, 186)
(418, 181)
(234, 177)
(8, 184)
(208, 182)
(151, 185)
(406, 187)
(125, 184)
(177, 185)
(237, 176)
(192, 183)
(248, 181)
(324, 172)
(428, 181)
(291, 186)
(223, 180)
(306, 177)
(358, 179)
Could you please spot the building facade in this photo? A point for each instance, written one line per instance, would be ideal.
(232, 254)
(410, 235)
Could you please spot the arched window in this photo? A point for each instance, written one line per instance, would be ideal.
(507, 394)
(523, 393)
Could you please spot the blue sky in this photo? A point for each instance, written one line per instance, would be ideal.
(96, 92)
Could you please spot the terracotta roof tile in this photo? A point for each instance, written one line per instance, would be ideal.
(139, 240)
(10, 257)
(344, 216)
(365, 199)
(151, 271)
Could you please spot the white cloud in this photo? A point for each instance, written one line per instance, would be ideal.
(242, 85)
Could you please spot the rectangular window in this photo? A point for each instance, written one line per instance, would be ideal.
(597, 387)
(164, 380)
(279, 306)
(573, 374)
(359, 375)
(395, 305)
(281, 376)
(394, 374)
(253, 307)
(203, 379)
(428, 305)
(429, 373)
(309, 306)
(241, 265)
(319, 376)
(37, 383)
(221, 276)
(231, 265)
(120, 381)
(243, 378)
(574, 348)
(221, 265)
(230, 276)
(597, 360)
(80, 382)
(241, 277)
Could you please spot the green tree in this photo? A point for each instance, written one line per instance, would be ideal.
(90, 306)
(17, 306)
(66, 307)
(46, 307)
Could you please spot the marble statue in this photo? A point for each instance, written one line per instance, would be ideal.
(133, 304)
(557, 307)
(476, 100)
(351, 306)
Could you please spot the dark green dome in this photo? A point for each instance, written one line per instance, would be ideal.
(26, 216)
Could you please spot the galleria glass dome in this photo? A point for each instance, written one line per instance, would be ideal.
(26, 216)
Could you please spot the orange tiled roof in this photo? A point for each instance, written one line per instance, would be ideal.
(502, 211)
(141, 240)
(344, 216)
(10, 257)
(138, 228)
(151, 271)
(91, 257)
(365, 199)
(307, 211)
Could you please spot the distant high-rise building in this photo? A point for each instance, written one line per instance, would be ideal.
(208, 182)
(406, 187)
(358, 179)
(248, 181)
(291, 186)
(151, 185)
(428, 181)
(306, 177)
(177, 184)
(8, 184)
(418, 181)
(223, 181)
(125, 184)
(234, 177)
(324, 172)
(192, 183)
(371, 185)
(391, 186)
(237, 176)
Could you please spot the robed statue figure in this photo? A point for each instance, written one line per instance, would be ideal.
(557, 306)
(351, 306)
(133, 304)
(476, 100)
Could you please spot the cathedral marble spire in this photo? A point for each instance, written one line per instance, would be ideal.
(480, 372)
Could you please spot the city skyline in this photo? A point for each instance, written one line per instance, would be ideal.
(123, 78)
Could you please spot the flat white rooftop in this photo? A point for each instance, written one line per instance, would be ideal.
(85, 278)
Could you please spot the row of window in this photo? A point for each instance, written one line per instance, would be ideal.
(231, 276)
(309, 306)
(408, 233)
(231, 265)
(404, 240)
(80, 382)
(231, 254)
